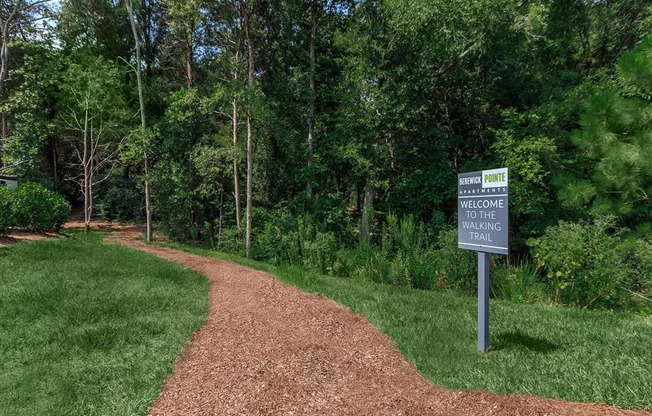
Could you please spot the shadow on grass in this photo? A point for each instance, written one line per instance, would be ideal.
(511, 340)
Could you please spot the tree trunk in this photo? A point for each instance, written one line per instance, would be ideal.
(143, 124)
(4, 67)
(250, 128)
(148, 202)
(311, 118)
(367, 212)
(236, 170)
(55, 160)
(189, 64)
(250, 166)
(87, 177)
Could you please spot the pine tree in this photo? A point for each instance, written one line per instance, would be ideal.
(616, 134)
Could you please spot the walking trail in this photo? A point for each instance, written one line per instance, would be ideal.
(270, 349)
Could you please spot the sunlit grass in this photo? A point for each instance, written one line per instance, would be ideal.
(90, 329)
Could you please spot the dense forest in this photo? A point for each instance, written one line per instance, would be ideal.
(329, 133)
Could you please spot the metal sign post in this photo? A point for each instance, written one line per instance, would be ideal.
(483, 301)
(482, 226)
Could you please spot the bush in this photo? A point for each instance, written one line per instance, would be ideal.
(6, 212)
(589, 264)
(122, 202)
(277, 245)
(402, 259)
(39, 209)
(349, 261)
(518, 282)
(319, 252)
(457, 268)
(637, 257)
(423, 270)
(229, 240)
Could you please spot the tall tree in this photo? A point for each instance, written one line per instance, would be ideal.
(246, 12)
(236, 168)
(34, 77)
(184, 21)
(92, 111)
(615, 136)
(143, 122)
(13, 14)
(315, 7)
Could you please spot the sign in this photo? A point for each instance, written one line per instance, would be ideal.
(10, 182)
(482, 226)
(482, 211)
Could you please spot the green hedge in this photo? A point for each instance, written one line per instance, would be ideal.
(594, 264)
(34, 207)
(6, 212)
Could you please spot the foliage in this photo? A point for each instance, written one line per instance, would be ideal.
(531, 160)
(286, 239)
(588, 263)
(611, 272)
(6, 211)
(28, 103)
(457, 268)
(121, 201)
(37, 208)
(229, 240)
(519, 282)
(614, 134)
(402, 258)
(406, 95)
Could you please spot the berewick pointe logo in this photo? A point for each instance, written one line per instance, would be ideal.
(494, 178)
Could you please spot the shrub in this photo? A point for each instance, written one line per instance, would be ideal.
(122, 202)
(276, 245)
(519, 282)
(423, 270)
(637, 257)
(585, 263)
(401, 260)
(402, 236)
(348, 261)
(457, 268)
(39, 209)
(229, 240)
(6, 212)
(319, 252)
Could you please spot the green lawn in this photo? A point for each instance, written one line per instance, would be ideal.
(90, 329)
(577, 355)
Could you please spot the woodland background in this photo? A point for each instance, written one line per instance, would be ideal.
(329, 133)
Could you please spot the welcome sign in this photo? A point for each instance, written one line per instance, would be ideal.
(482, 211)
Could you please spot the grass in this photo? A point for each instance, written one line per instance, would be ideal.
(90, 329)
(567, 353)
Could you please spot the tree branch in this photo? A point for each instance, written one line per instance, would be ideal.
(455, 62)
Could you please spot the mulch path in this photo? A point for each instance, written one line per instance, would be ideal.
(17, 236)
(267, 348)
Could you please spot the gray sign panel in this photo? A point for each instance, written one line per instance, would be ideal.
(482, 211)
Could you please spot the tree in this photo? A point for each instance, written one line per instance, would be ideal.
(28, 104)
(615, 137)
(91, 114)
(143, 122)
(246, 12)
(184, 21)
(14, 16)
(315, 8)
